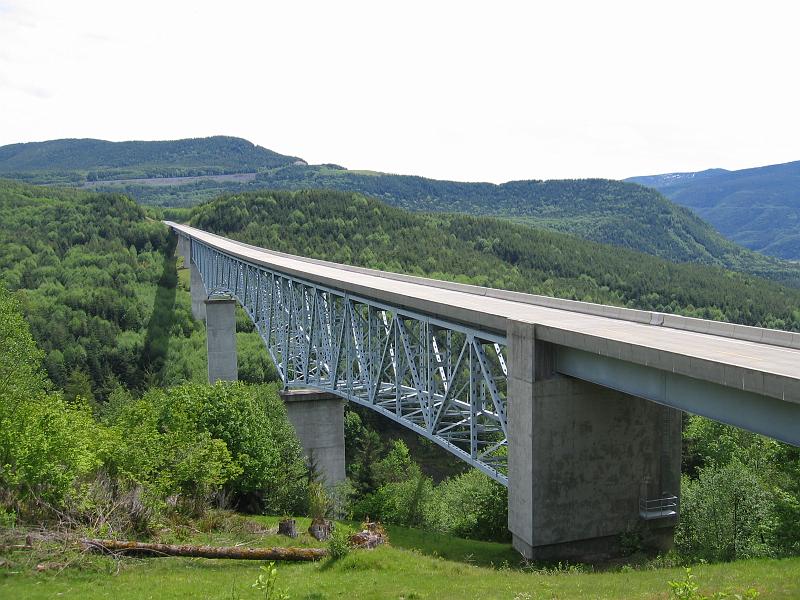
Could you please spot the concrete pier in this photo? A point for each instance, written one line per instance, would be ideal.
(581, 457)
(198, 292)
(221, 339)
(184, 250)
(318, 419)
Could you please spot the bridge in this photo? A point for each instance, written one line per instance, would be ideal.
(576, 407)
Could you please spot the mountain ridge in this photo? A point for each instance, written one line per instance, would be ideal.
(607, 211)
(94, 159)
(757, 207)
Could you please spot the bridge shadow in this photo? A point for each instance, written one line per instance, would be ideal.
(153, 359)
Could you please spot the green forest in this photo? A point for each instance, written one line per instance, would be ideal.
(610, 212)
(75, 161)
(85, 268)
(106, 417)
(623, 214)
(758, 208)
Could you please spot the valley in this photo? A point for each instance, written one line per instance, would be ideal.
(98, 270)
(611, 212)
(758, 208)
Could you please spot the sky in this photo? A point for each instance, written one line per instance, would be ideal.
(470, 91)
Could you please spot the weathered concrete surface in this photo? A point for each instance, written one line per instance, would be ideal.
(581, 457)
(318, 419)
(198, 292)
(221, 339)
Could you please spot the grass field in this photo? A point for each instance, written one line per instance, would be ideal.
(416, 565)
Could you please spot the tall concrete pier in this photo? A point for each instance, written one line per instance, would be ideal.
(221, 339)
(183, 249)
(582, 458)
(198, 292)
(318, 419)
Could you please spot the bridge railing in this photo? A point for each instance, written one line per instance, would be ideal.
(658, 508)
(441, 379)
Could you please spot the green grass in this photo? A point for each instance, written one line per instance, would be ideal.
(415, 565)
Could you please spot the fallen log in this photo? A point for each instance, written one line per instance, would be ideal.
(12, 547)
(234, 552)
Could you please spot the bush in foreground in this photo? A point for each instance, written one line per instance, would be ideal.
(469, 505)
(194, 439)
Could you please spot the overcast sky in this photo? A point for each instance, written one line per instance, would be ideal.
(488, 91)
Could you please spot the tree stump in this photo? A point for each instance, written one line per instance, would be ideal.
(320, 529)
(371, 536)
(288, 527)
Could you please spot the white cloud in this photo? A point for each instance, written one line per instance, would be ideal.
(462, 90)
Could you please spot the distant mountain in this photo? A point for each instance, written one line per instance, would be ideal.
(758, 208)
(80, 160)
(187, 172)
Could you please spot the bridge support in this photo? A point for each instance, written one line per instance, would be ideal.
(184, 249)
(581, 458)
(221, 339)
(198, 292)
(318, 419)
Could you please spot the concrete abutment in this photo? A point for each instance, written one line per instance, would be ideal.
(581, 457)
(318, 419)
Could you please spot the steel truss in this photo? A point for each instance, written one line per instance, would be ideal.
(443, 380)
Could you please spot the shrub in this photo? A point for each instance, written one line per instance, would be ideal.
(166, 460)
(688, 589)
(469, 505)
(726, 514)
(341, 499)
(396, 466)
(400, 502)
(339, 543)
(318, 501)
(194, 439)
(45, 442)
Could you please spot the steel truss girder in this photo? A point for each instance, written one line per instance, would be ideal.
(443, 380)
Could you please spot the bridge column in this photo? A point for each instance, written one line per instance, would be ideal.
(318, 419)
(184, 250)
(221, 339)
(198, 292)
(581, 457)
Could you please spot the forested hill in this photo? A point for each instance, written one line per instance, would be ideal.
(354, 229)
(758, 208)
(78, 160)
(166, 173)
(85, 268)
(600, 210)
